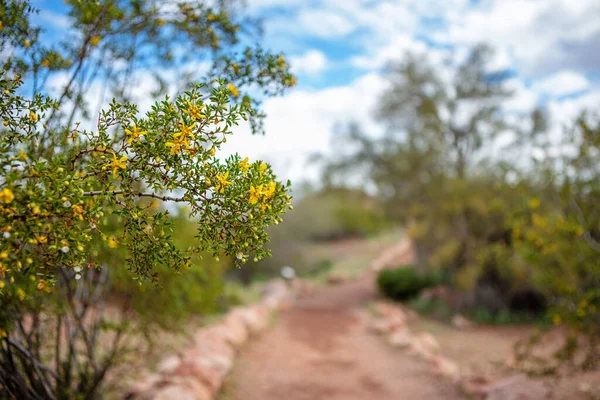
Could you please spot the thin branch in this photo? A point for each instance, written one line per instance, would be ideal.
(586, 234)
(139, 194)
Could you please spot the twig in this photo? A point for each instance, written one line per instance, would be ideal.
(138, 194)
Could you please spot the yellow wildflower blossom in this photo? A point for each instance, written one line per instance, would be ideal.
(222, 182)
(234, 91)
(21, 294)
(534, 203)
(6, 196)
(254, 194)
(112, 242)
(41, 239)
(262, 168)
(244, 165)
(22, 155)
(194, 111)
(177, 146)
(94, 40)
(117, 164)
(134, 133)
(45, 63)
(185, 131)
(269, 190)
(281, 60)
(77, 211)
(181, 139)
(33, 117)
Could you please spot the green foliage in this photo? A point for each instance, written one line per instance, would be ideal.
(402, 283)
(87, 198)
(516, 231)
(336, 214)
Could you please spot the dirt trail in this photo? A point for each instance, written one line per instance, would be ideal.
(322, 349)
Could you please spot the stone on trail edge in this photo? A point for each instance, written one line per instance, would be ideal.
(198, 372)
(391, 323)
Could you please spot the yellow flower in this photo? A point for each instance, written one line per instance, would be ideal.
(185, 131)
(281, 60)
(134, 133)
(534, 203)
(94, 40)
(6, 196)
(45, 63)
(269, 190)
(21, 294)
(262, 168)
(41, 284)
(181, 139)
(176, 146)
(244, 165)
(234, 91)
(27, 44)
(211, 17)
(194, 111)
(77, 211)
(33, 117)
(112, 242)
(3, 255)
(41, 239)
(117, 164)
(22, 155)
(254, 194)
(222, 182)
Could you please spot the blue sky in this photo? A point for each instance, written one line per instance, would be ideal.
(338, 49)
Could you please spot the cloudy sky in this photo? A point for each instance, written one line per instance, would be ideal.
(339, 47)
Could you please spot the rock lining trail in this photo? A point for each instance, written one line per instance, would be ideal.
(322, 348)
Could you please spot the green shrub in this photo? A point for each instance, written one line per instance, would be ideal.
(402, 283)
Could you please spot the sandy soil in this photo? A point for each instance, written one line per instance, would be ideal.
(322, 349)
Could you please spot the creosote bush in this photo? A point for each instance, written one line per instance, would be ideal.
(87, 198)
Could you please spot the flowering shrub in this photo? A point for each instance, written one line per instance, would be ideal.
(81, 196)
(53, 209)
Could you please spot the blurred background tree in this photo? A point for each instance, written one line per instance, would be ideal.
(493, 203)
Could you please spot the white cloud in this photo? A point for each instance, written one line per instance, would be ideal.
(59, 21)
(325, 23)
(312, 62)
(398, 47)
(524, 99)
(562, 83)
(301, 123)
(544, 36)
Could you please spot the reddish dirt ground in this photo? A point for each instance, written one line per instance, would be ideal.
(322, 349)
